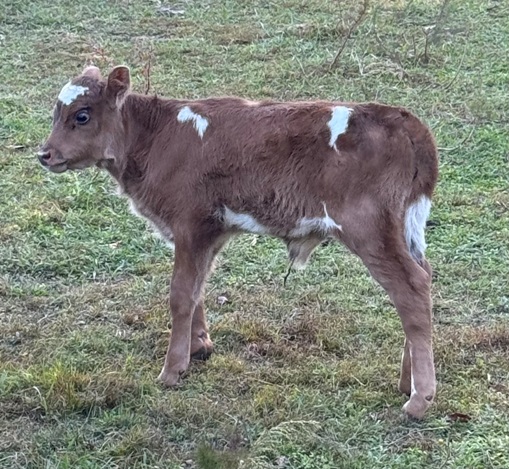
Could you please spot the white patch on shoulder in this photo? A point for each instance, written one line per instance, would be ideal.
(415, 224)
(308, 225)
(70, 92)
(243, 222)
(338, 123)
(200, 122)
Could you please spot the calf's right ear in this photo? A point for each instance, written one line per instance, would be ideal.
(119, 82)
(92, 72)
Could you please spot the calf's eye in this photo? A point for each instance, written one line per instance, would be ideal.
(82, 117)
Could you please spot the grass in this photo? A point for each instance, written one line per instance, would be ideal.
(304, 376)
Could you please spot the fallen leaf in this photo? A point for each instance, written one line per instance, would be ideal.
(459, 417)
(221, 300)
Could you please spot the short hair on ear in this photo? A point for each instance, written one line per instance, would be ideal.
(92, 71)
(119, 83)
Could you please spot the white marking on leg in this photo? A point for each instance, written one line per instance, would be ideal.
(413, 391)
(243, 222)
(70, 92)
(307, 225)
(200, 122)
(338, 123)
(415, 224)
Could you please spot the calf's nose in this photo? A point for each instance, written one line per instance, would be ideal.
(44, 156)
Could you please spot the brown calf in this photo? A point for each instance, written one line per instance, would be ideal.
(202, 171)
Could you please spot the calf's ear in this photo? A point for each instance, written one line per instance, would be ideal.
(92, 72)
(119, 82)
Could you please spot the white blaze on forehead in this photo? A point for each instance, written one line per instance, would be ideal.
(338, 123)
(243, 222)
(308, 225)
(70, 92)
(200, 122)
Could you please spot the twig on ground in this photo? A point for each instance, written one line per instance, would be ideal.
(146, 57)
(432, 31)
(459, 144)
(456, 75)
(353, 27)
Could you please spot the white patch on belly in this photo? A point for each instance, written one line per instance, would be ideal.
(338, 123)
(200, 122)
(323, 225)
(243, 222)
(70, 92)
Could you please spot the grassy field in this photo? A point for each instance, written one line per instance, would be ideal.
(304, 376)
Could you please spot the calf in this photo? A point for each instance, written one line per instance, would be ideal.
(202, 171)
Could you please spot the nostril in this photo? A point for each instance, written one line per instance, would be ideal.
(44, 155)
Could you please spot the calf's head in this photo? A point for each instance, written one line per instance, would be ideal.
(86, 121)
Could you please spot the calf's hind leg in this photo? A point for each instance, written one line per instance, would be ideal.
(405, 380)
(408, 285)
(384, 252)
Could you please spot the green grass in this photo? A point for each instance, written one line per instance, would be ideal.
(304, 376)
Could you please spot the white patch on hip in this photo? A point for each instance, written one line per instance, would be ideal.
(338, 123)
(70, 92)
(200, 122)
(243, 222)
(307, 225)
(415, 224)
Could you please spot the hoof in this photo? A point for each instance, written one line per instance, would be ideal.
(202, 354)
(202, 348)
(170, 379)
(416, 407)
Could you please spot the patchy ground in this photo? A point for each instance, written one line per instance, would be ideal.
(305, 375)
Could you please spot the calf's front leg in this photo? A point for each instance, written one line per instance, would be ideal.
(201, 345)
(189, 274)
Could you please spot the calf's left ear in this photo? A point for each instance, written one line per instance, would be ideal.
(92, 72)
(119, 82)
